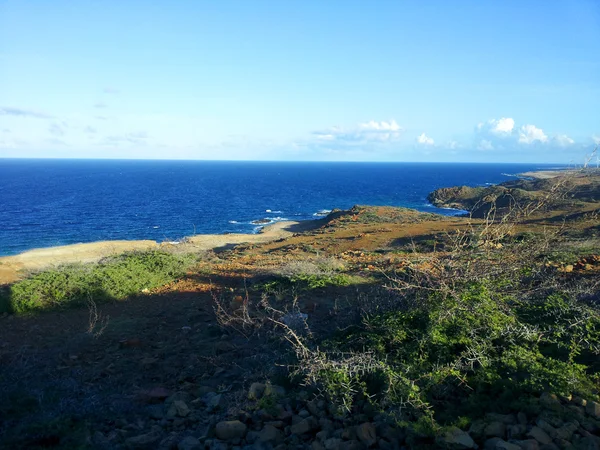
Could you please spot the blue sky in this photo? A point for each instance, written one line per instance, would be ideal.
(515, 81)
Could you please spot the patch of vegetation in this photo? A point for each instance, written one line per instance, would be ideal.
(308, 275)
(113, 278)
(477, 330)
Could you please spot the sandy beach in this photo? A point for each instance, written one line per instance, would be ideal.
(12, 268)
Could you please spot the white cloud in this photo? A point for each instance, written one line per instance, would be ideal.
(504, 125)
(596, 139)
(423, 139)
(528, 134)
(361, 134)
(563, 140)
(485, 144)
(499, 127)
(21, 112)
(380, 126)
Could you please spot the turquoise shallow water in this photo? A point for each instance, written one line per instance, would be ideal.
(45, 203)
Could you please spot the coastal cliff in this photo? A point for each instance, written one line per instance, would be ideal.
(565, 190)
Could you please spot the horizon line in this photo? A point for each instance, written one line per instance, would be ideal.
(58, 158)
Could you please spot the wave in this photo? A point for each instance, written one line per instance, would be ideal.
(233, 221)
(272, 212)
(322, 212)
(268, 220)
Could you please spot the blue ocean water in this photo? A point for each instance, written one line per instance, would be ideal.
(45, 203)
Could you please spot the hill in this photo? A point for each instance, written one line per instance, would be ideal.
(376, 327)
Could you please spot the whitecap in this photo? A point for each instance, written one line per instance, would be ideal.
(233, 221)
(322, 212)
(156, 227)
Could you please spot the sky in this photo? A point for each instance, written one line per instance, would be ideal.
(380, 80)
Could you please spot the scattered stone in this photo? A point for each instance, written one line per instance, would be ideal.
(156, 412)
(332, 444)
(322, 435)
(593, 409)
(230, 430)
(490, 444)
(546, 427)
(566, 431)
(189, 443)
(577, 412)
(304, 413)
(528, 444)
(213, 401)
(539, 435)
(314, 408)
(516, 431)
(351, 445)
(548, 400)
(274, 390)
(477, 429)
(503, 445)
(565, 398)
(348, 433)
(181, 396)
(392, 434)
(495, 429)
(169, 443)
(144, 440)
(256, 391)
(99, 440)
(579, 401)
(507, 419)
(130, 343)
(303, 426)
(552, 419)
(178, 409)
(589, 425)
(522, 418)
(550, 446)
(587, 443)
(270, 434)
(366, 434)
(454, 437)
(564, 444)
(155, 395)
(276, 423)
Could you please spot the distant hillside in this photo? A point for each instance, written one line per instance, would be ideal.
(564, 191)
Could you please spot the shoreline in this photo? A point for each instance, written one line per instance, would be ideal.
(546, 174)
(14, 267)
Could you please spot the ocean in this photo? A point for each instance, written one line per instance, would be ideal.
(45, 203)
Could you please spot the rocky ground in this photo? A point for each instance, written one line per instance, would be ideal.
(159, 371)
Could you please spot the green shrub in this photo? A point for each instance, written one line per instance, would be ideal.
(456, 356)
(112, 278)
